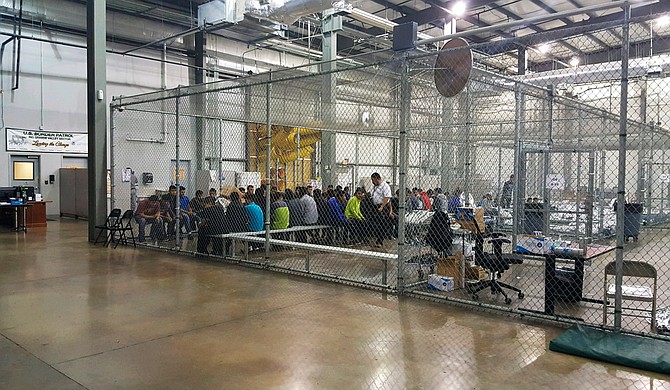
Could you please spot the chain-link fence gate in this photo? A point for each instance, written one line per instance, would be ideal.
(368, 174)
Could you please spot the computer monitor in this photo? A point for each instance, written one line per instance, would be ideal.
(26, 193)
(6, 193)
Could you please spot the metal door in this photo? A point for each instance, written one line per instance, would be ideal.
(25, 171)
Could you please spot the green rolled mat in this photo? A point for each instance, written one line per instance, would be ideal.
(623, 349)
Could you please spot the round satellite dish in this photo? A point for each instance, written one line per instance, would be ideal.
(453, 67)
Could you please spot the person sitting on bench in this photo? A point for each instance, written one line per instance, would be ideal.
(355, 219)
(213, 222)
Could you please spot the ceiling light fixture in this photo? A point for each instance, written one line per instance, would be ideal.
(458, 9)
(662, 21)
(574, 61)
(377, 21)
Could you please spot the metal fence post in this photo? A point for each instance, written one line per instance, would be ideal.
(547, 159)
(621, 191)
(176, 171)
(112, 163)
(517, 205)
(268, 124)
(405, 111)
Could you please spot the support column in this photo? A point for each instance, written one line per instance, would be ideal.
(199, 99)
(521, 61)
(467, 172)
(331, 24)
(96, 91)
(447, 160)
(462, 139)
(519, 166)
(546, 192)
(644, 148)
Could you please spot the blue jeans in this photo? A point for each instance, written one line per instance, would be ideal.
(157, 230)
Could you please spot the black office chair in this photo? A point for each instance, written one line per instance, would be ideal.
(496, 263)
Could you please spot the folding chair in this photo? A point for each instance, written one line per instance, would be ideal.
(636, 292)
(121, 228)
(111, 222)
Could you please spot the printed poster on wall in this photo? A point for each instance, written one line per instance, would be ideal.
(19, 140)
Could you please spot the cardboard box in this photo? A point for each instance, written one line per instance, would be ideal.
(451, 267)
(466, 217)
(476, 273)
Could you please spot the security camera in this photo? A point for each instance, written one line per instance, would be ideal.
(121, 108)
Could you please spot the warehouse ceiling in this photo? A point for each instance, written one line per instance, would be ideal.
(361, 35)
(545, 45)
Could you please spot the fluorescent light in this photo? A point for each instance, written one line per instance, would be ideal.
(662, 21)
(458, 9)
(544, 48)
(372, 19)
(574, 61)
(376, 21)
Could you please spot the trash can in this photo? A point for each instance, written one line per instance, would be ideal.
(568, 286)
(533, 217)
(632, 218)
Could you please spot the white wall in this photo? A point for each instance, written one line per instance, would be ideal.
(51, 96)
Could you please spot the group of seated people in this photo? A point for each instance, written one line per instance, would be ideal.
(206, 215)
(352, 218)
(417, 199)
(161, 213)
(245, 211)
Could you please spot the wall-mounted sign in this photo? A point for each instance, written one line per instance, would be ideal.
(555, 182)
(19, 140)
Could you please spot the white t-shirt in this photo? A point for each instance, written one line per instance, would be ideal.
(383, 190)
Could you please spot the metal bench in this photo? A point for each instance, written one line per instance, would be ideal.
(383, 257)
(291, 231)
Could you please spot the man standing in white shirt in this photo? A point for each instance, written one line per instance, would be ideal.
(381, 197)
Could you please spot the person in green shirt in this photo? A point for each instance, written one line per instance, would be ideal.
(355, 219)
(279, 212)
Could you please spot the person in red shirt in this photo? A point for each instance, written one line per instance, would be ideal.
(427, 205)
(149, 211)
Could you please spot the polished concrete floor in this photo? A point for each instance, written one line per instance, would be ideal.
(78, 316)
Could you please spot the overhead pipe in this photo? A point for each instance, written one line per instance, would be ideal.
(17, 51)
(292, 10)
(161, 40)
(111, 51)
(10, 39)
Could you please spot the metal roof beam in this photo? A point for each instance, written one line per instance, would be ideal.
(640, 14)
(422, 17)
(533, 27)
(640, 49)
(568, 22)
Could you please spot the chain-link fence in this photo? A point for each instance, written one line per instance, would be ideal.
(513, 193)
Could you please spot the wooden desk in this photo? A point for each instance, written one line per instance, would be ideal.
(36, 216)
